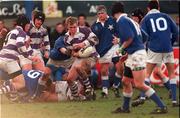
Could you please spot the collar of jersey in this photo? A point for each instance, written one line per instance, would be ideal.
(123, 14)
(98, 21)
(153, 11)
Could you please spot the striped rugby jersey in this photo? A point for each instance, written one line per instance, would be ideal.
(39, 38)
(14, 45)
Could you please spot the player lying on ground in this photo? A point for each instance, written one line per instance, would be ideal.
(34, 81)
(60, 91)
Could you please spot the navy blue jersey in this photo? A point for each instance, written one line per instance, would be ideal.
(127, 28)
(31, 78)
(105, 35)
(161, 29)
(55, 53)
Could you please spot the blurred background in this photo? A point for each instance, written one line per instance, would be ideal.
(57, 11)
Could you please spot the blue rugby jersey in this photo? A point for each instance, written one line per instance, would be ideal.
(105, 35)
(127, 28)
(31, 78)
(55, 53)
(161, 29)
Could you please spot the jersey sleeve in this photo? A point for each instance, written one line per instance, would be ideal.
(174, 30)
(126, 30)
(143, 26)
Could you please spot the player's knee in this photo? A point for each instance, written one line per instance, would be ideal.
(139, 85)
(125, 82)
(104, 72)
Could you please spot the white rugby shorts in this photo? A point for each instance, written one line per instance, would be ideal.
(156, 58)
(136, 60)
(107, 58)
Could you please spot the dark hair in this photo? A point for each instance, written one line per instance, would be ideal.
(117, 7)
(39, 15)
(59, 23)
(138, 13)
(22, 20)
(153, 4)
(82, 15)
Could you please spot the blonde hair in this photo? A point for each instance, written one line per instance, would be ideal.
(71, 20)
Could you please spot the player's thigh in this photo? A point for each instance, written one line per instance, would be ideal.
(153, 57)
(12, 67)
(139, 77)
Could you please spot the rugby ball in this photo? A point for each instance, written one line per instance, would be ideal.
(86, 52)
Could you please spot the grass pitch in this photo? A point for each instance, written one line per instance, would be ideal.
(101, 108)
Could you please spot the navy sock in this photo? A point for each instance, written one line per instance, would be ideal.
(153, 96)
(167, 85)
(126, 103)
(105, 81)
(173, 89)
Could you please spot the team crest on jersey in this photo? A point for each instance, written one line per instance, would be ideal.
(110, 27)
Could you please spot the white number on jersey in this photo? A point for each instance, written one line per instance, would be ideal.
(33, 74)
(156, 25)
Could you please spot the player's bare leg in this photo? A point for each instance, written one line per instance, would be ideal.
(173, 82)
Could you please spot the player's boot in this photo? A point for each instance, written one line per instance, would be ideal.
(176, 104)
(90, 95)
(121, 110)
(159, 110)
(104, 95)
(137, 102)
(116, 92)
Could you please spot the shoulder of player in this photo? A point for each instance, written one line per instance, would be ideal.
(110, 18)
(19, 32)
(84, 30)
(60, 40)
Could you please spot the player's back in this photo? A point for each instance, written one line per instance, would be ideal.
(31, 78)
(160, 27)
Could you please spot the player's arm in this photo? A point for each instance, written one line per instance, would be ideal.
(91, 40)
(20, 43)
(174, 30)
(59, 44)
(46, 45)
(128, 36)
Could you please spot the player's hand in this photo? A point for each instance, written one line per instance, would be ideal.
(27, 42)
(46, 54)
(115, 40)
(121, 51)
(78, 46)
(75, 54)
(124, 57)
(68, 52)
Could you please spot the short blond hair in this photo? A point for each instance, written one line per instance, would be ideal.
(71, 20)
